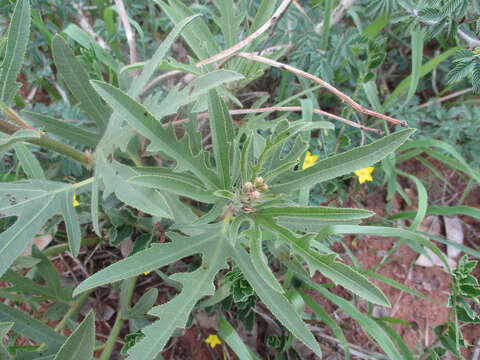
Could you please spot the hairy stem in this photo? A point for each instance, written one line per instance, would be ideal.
(44, 140)
(73, 309)
(54, 250)
(110, 344)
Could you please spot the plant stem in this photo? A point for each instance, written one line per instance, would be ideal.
(17, 119)
(75, 306)
(61, 148)
(54, 250)
(326, 24)
(44, 140)
(110, 344)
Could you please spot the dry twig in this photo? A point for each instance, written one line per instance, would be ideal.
(229, 52)
(445, 98)
(326, 85)
(283, 108)
(85, 25)
(128, 31)
(298, 108)
(337, 14)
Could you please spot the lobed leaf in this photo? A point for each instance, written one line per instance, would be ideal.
(33, 203)
(32, 328)
(117, 177)
(175, 313)
(156, 256)
(198, 87)
(163, 139)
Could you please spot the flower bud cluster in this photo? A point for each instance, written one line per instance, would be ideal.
(252, 191)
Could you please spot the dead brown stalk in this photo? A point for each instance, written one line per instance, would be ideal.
(332, 89)
(298, 108)
(229, 52)
(128, 31)
(284, 108)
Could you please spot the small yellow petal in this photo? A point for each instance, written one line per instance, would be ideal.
(147, 272)
(75, 202)
(364, 174)
(213, 340)
(309, 160)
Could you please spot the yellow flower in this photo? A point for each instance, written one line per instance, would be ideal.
(75, 202)
(147, 272)
(213, 340)
(364, 174)
(309, 160)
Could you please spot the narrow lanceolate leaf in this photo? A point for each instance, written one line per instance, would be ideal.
(166, 180)
(80, 343)
(18, 34)
(195, 285)
(156, 256)
(340, 164)
(29, 162)
(33, 203)
(339, 273)
(221, 127)
(337, 330)
(141, 81)
(417, 37)
(411, 237)
(31, 328)
(259, 259)
(228, 333)
(77, 79)
(317, 212)
(277, 303)
(71, 222)
(21, 135)
(370, 326)
(62, 129)
(163, 139)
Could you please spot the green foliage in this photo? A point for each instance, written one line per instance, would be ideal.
(80, 344)
(17, 39)
(227, 200)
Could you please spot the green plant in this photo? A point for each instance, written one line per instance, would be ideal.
(240, 204)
